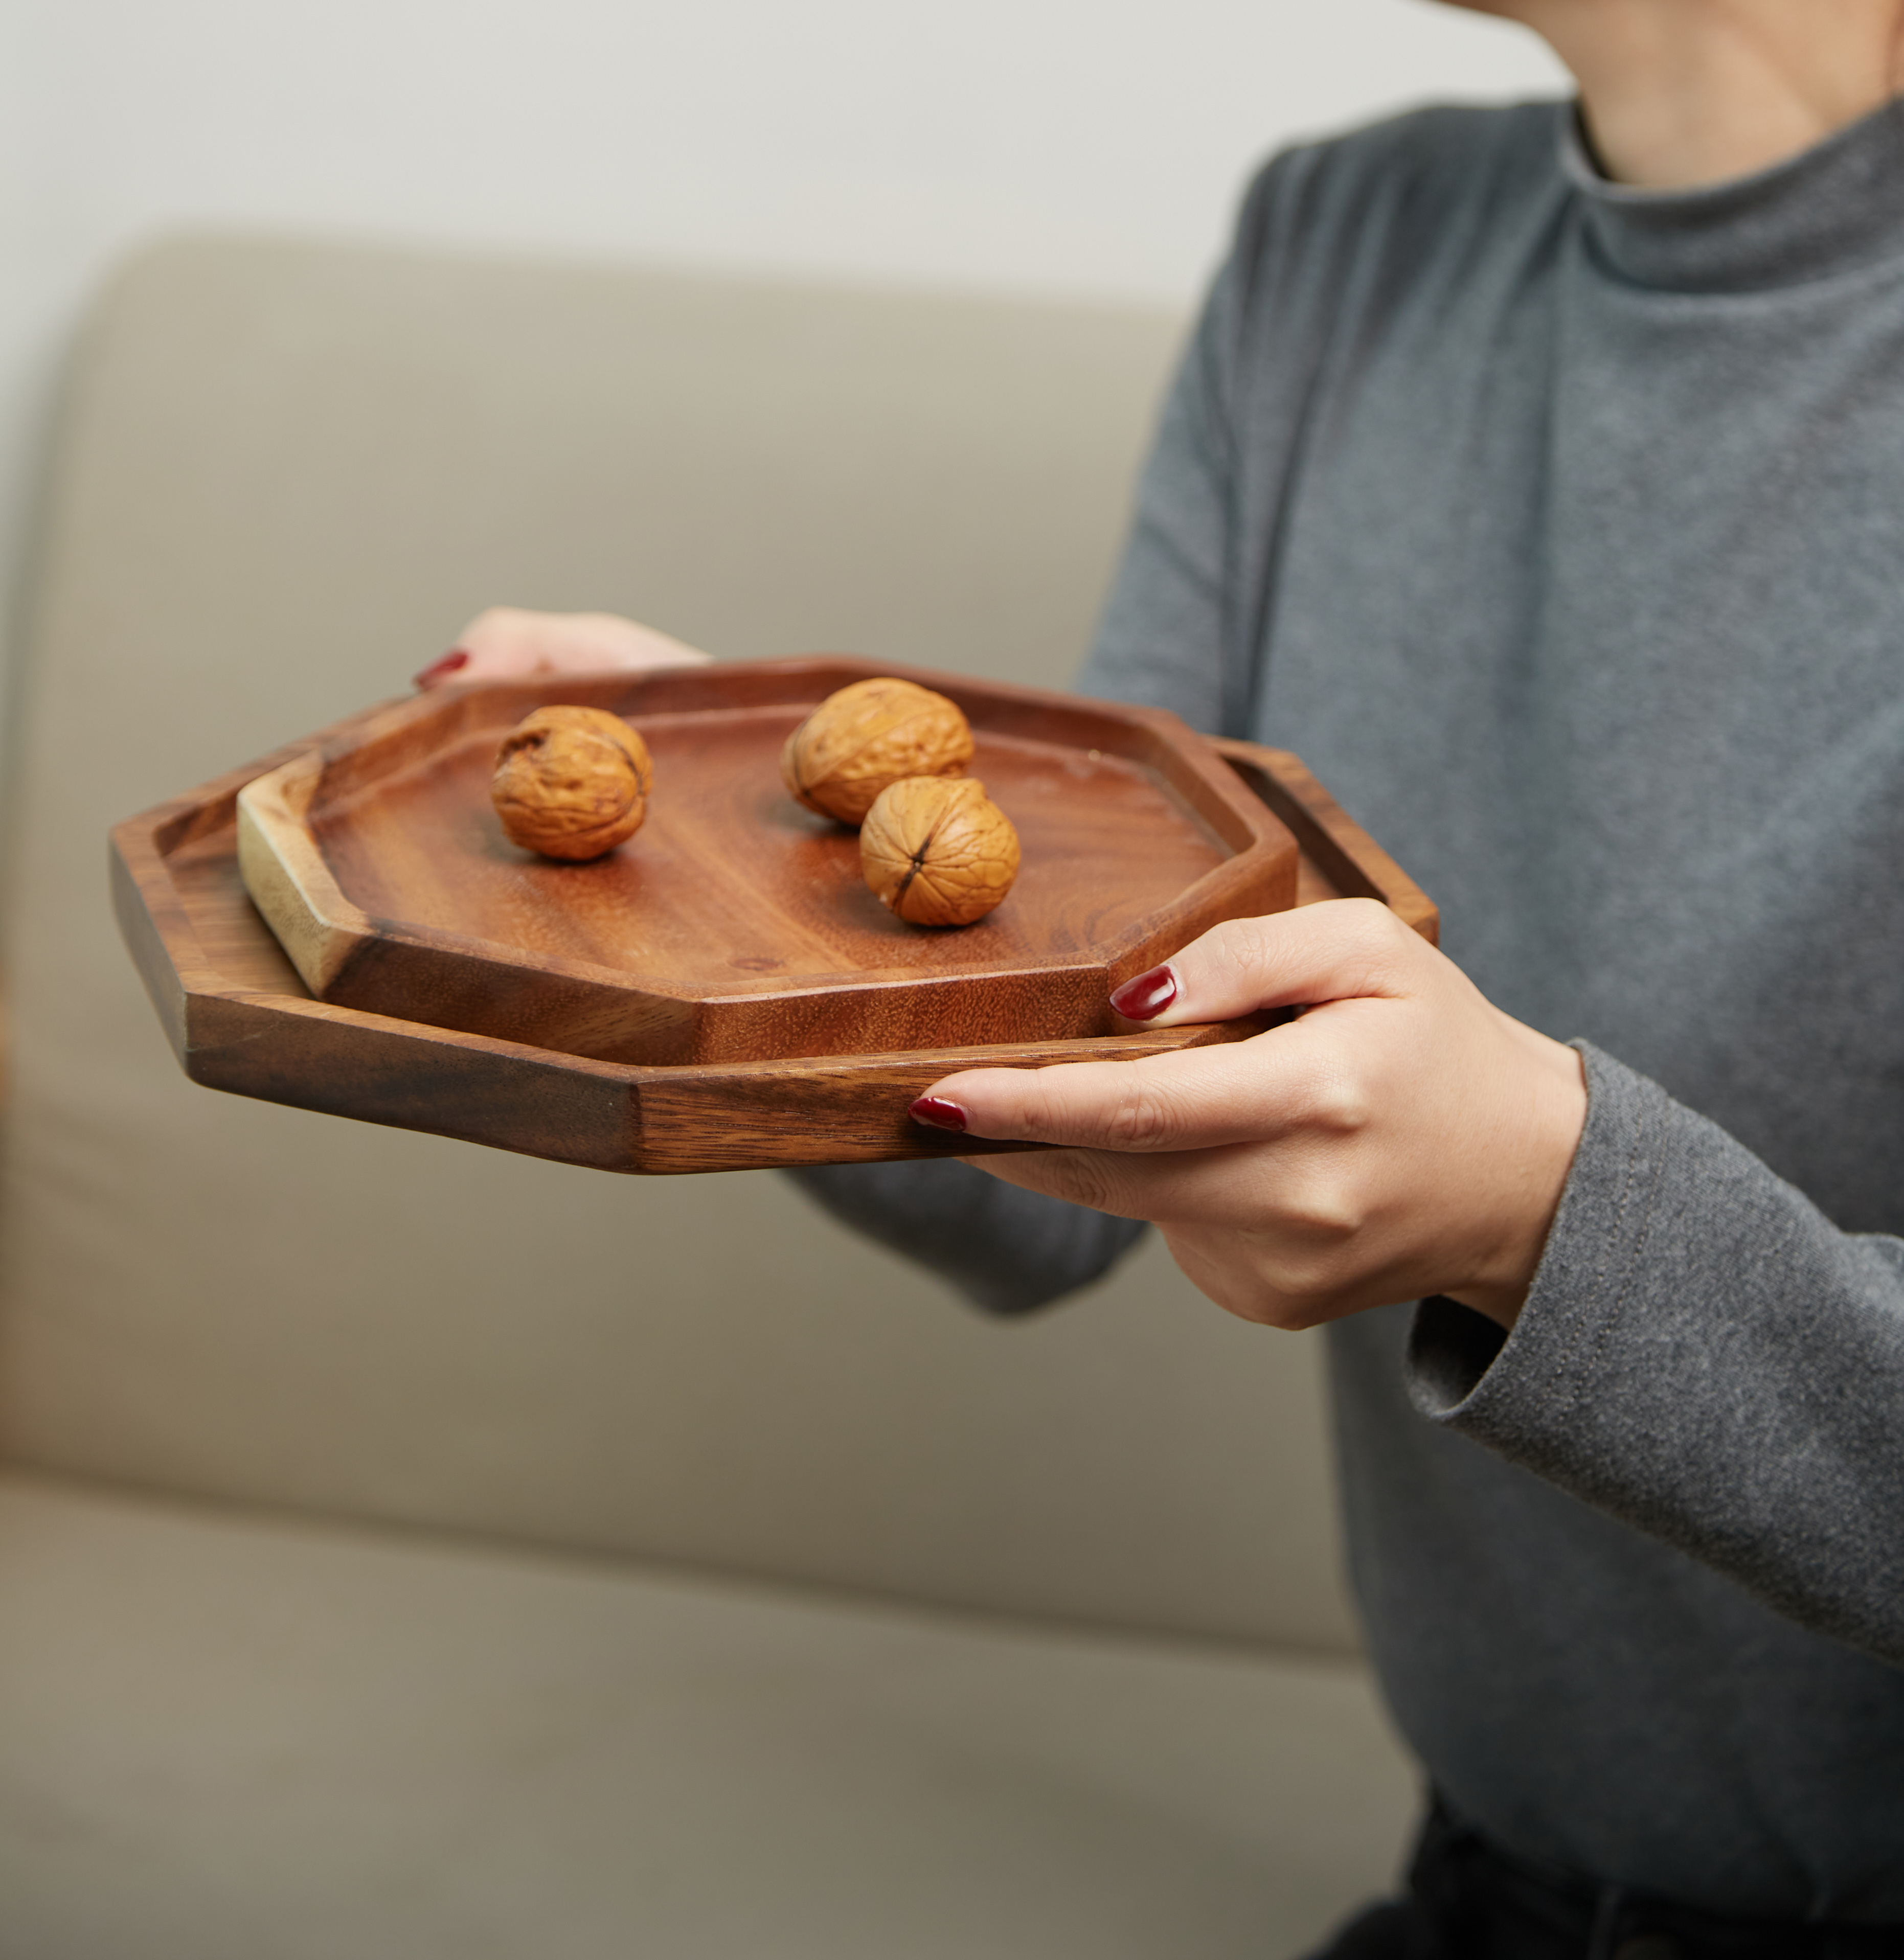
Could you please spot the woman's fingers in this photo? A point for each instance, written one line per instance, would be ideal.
(1197, 1098)
(1350, 955)
(1346, 947)
(508, 643)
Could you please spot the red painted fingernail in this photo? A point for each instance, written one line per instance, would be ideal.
(451, 663)
(936, 1113)
(1145, 998)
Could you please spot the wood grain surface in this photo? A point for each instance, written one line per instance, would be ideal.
(240, 1019)
(736, 925)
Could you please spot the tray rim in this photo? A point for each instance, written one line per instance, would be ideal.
(324, 932)
(628, 1118)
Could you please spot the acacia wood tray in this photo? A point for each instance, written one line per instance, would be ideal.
(735, 926)
(240, 1018)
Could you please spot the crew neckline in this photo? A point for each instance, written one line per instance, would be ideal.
(1830, 209)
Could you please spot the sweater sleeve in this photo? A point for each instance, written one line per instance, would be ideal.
(1005, 1248)
(1161, 641)
(1705, 1355)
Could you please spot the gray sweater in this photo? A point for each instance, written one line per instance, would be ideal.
(1561, 529)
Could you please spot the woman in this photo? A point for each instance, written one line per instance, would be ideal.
(1538, 474)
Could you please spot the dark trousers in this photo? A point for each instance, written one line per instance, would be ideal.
(1466, 1900)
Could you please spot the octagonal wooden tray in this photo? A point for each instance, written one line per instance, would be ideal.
(735, 925)
(240, 1019)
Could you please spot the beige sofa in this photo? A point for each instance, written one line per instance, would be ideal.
(409, 1550)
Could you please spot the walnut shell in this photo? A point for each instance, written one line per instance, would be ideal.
(874, 733)
(937, 850)
(572, 782)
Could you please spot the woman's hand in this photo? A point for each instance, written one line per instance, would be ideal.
(508, 644)
(1402, 1137)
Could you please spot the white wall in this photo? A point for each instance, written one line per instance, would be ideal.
(1081, 146)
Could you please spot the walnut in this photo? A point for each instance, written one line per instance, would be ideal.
(874, 733)
(572, 782)
(937, 850)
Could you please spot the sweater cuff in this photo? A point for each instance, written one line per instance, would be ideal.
(1705, 1356)
(1464, 1370)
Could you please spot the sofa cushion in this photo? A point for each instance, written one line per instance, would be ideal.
(223, 1738)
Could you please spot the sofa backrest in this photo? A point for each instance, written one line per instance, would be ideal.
(287, 473)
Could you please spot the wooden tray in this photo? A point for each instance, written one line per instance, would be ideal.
(240, 1019)
(735, 926)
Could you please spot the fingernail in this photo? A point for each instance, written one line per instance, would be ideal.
(451, 662)
(1145, 998)
(936, 1113)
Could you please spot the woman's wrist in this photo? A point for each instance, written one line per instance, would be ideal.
(1552, 1097)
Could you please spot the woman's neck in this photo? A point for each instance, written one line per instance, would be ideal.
(1678, 93)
